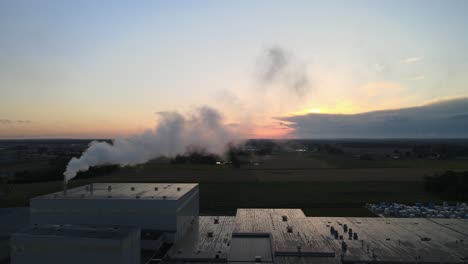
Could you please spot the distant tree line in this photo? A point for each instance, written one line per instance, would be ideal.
(450, 185)
(330, 149)
(196, 158)
(97, 171)
(262, 146)
(445, 151)
(53, 172)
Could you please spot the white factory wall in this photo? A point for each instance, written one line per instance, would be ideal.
(172, 216)
(145, 213)
(187, 214)
(75, 250)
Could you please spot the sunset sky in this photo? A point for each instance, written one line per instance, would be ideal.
(88, 69)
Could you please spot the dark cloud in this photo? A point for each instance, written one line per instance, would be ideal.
(442, 119)
(279, 66)
(5, 121)
(273, 64)
(23, 121)
(9, 121)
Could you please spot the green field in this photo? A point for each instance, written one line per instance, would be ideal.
(321, 185)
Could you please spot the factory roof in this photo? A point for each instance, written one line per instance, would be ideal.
(78, 231)
(149, 191)
(288, 236)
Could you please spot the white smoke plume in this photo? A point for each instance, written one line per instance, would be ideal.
(174, 134)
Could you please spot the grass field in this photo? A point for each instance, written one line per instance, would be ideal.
(347, 162)
(321, 185)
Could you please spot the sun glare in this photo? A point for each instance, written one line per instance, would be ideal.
(307, 111)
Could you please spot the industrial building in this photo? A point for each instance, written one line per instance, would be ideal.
(288, 236)
(162, 211)
(76, 244)
(169, 212)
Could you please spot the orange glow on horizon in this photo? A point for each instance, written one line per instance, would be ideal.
(272, 132)
(343, 107)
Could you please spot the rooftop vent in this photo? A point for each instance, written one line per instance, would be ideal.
(133, 188)
(209, 233)
(216, 221)
(290, 229)
(355, 236)
(285, 218)
(344, 246)
(345, 227)
(109, 188)
(258, 258)
(155, 188)
(138, 196)
(178, 188)
(164, 197)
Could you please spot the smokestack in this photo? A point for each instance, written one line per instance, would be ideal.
(64, 188)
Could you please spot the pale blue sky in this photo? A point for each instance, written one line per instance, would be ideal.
(103, 68)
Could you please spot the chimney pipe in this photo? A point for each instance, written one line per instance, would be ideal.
(91, 188)
(65, 188)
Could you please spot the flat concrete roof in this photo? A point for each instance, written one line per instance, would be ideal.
(296, 238)
(156, 191)
(77, 231)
